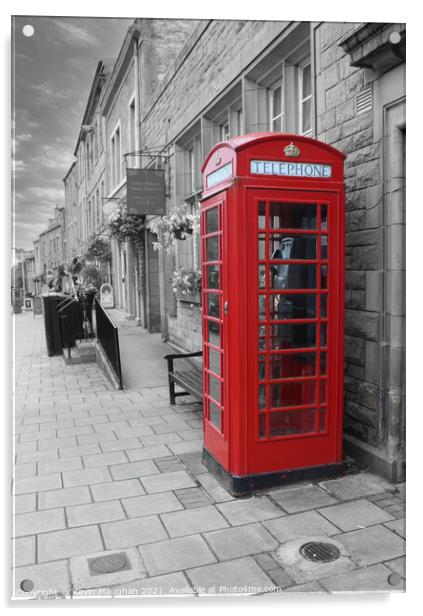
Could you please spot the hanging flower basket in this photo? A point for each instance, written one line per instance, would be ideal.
(124, 226)
(186, 284)
(99, 247)
(178, 225)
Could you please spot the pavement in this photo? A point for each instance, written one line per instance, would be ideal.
(141, 354)
(108, 480)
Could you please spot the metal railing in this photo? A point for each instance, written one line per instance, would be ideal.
(107, 335)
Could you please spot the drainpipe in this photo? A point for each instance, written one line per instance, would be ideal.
(140, 252)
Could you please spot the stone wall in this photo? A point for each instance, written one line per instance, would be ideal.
(185, 329)
(337, 84)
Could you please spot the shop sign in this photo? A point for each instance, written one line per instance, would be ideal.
(146, 191)
(282, 168)
(106, 296)
(37, 305)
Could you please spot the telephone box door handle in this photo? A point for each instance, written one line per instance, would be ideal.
(226, 307)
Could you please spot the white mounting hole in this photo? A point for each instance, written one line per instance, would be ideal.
(28, 30)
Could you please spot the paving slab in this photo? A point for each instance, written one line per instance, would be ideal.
(23, 552)
(398, 565)
(356, 486)
(253, 509)
(69, 542)
(87, 476)
(24, 503)
(93, 513)
(39, 522)
(306, 524)
(241, 541)
(239, 576)
(192, 460)
(372, 545)
(83, 579)
(148, 453)
(105, 459)
(192, 498)
(152, 503)
(37, 483)
(301, 498)
(80, 450)
(133, 532)
(26, 469)
(192, 521)
(398, 526)
(132, 470)
(213, 487)
(355, 514)
(374, 578)
(170, 585)
(167, 481)
(116, 490)
(49, 579)
(65, 497)
(119, 444)
(57, 466)
(176, 555)
(186, 446)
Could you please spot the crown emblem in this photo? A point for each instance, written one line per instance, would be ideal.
(218, 159)
(291, 150)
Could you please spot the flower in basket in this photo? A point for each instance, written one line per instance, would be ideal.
(125, 226)
(178, 225)
(186, 282)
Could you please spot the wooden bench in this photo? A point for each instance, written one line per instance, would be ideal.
(191, 380)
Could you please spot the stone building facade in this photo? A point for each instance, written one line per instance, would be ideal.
(147, 52)
(342, 83)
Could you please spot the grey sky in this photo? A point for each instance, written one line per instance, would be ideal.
(53, 71)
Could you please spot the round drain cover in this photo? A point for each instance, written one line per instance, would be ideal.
(319, 552)
(108, 564)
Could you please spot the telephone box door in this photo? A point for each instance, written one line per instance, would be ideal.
(295, 343)
(215, 349)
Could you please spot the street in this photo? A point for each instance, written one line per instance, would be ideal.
(100, 472)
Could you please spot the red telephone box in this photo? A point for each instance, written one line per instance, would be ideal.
(272, 229)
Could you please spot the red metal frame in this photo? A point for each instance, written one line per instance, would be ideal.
(235, 442)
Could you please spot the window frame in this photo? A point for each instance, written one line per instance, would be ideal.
(116, 158)
(302, 100)
(280, 116)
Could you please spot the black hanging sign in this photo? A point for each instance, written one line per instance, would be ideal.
(145, 191)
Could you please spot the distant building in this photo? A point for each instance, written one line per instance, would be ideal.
(51, 245)
(72, 241)
(148, 50)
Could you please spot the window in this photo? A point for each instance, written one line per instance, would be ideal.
(96, 140)
(116, 158)
(101, 204)
(275, 108)
(304, 103)
(132, 126)
(239, 122)
(191, 170)
(224, 131)
(98, 208)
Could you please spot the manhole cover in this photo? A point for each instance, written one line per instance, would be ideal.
(109, 564)
(319, 552)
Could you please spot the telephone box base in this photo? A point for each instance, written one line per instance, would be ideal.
(247, 484)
